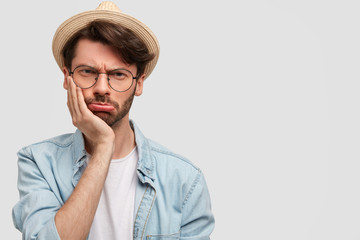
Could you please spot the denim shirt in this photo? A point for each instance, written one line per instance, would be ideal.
(172, 200)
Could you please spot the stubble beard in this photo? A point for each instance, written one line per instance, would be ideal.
(108, 118)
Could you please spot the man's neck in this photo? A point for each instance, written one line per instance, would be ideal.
(124, 139)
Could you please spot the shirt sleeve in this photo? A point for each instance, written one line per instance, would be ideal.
(197, 218)
(34, 213)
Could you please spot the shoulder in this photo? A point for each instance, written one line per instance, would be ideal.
(45, 147)
(153, 154)
(63, 140)
(164, 155)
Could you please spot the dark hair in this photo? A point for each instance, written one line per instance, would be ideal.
(125, 43)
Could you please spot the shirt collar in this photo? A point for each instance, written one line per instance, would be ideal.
(145, 162)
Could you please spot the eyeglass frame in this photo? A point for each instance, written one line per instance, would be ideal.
(108, 78)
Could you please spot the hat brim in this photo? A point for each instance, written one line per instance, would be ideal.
(72, 25)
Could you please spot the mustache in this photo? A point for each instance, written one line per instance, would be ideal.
(102, 99)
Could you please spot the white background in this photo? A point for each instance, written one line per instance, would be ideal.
(262, 95)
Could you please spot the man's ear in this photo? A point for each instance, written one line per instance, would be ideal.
(66, 75)
(139, 85)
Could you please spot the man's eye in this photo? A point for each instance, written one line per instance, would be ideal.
(119, 75)
(88, 71)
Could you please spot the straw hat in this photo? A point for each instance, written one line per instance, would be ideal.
(105, 11)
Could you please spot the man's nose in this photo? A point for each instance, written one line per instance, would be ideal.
(102, 86)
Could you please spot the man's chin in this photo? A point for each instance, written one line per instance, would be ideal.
(108, 118)
(101, 114)
(105, 116)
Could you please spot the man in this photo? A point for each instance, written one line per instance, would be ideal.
(107, 181)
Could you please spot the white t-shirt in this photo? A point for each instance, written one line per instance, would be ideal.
(114, 217)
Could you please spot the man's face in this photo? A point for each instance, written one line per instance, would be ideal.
(111, 106)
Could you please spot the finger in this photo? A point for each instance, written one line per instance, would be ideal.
(70, 103)
(81, 101)
(73, 97)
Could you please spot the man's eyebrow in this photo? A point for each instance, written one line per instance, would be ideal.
(117, 68)
(110, 69)
(85, 65)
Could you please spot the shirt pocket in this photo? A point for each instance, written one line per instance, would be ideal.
(173, 236)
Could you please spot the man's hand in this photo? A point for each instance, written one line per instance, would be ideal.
(96, 131)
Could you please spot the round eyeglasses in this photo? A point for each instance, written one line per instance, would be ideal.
(119, 80)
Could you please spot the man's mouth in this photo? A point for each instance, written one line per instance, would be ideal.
(100, 107)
